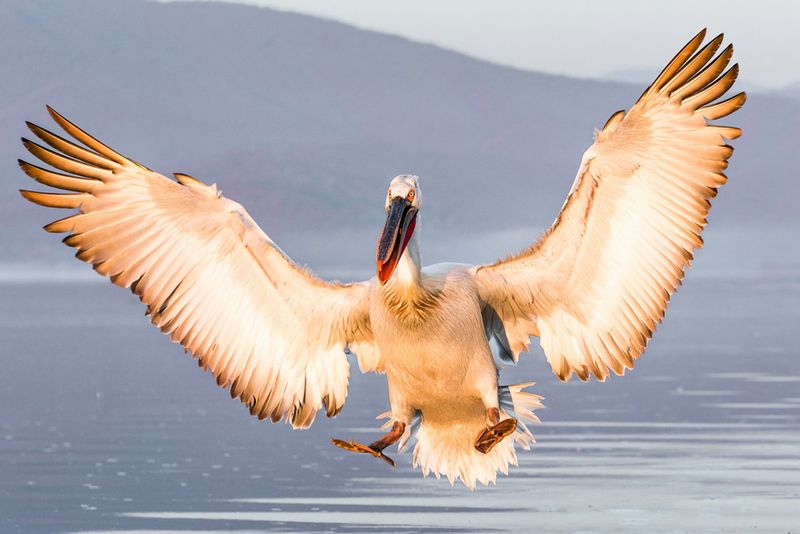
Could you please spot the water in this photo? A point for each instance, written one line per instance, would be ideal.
(105, 426)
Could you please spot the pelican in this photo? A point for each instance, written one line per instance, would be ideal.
(592, 288)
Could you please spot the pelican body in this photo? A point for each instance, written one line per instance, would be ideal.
(429, 329)
(592, 288)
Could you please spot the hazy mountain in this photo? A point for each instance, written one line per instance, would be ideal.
(791, 90)
(305, 120)
(634, 75)
(642, 76)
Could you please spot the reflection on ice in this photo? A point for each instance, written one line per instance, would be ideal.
(717, 474)
(703, 392)
(124, 434)
(753, 405)
(756, 377)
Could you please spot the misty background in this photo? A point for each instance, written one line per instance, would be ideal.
(520, 33)
(106, 427)
(305, 121)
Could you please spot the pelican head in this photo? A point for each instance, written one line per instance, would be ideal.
(402, 205)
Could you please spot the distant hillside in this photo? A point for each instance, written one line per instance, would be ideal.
(789, 91)
(304, 120)
(643, 77)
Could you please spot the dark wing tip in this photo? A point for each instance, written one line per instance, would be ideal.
(701, 35)
(28, 144)
(56, 116)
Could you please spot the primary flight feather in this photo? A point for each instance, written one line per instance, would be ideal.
(592, 288)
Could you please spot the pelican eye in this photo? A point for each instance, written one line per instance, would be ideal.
(410, 195)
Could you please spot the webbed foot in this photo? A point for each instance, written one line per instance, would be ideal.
(494, 434)
(354, 446)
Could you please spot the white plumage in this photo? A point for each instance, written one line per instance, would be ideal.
(593, 288)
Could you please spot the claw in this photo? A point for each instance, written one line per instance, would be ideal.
(354, 446)
(492, 435)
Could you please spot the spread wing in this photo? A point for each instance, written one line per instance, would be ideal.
(212, 280)
(596, 284)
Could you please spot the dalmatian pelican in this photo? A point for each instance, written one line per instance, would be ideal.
(592, 288)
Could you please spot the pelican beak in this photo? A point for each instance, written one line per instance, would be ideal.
(400, 223)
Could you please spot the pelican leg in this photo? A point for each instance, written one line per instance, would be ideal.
(495, 431)
(376, 447)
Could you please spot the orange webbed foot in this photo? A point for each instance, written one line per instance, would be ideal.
(354, 446)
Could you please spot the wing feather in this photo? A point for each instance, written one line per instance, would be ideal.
(597, 283)
(54, 200)
(71, 149)
(211, 279)
(65, 163)
(87, 139)
(696, 64)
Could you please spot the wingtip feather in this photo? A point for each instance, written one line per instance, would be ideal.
(54, 200)
(86, 138)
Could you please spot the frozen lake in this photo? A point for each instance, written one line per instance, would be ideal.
(105, 426)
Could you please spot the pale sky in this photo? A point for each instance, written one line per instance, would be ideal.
(581, 37)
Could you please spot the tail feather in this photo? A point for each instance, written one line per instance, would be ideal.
(448, 449)
(520, 405)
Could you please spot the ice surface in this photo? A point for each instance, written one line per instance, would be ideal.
(107, 427)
